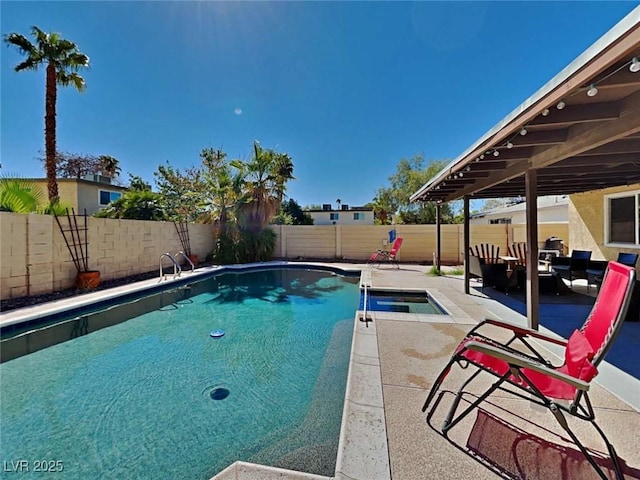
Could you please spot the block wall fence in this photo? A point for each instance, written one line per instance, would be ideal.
(34, 257)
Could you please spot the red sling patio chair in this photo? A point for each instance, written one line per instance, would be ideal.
(524, 372)
(380, 256)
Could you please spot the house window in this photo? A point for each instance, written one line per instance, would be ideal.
(107, 197)
(622, 213)
(495, 221)
(334, 216)
(358, 216)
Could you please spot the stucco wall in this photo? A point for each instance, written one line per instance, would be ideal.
(35, 259)
(352, 242)
(586, 217)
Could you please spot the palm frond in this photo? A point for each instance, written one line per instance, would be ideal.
(28, 64)
(19, 195)
(21, 42)
(65, 79)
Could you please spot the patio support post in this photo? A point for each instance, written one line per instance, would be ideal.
(438, 237)
(533, 293)
(466, 242)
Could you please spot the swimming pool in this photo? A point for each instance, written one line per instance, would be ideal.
(157, 397)
(401, 302)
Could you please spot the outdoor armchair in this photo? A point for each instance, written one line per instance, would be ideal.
(596, 268)
(572, 267)
(380, 256)
(519, 368)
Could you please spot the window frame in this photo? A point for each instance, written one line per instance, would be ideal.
(110, 192)
(607, 219)
(334, 216)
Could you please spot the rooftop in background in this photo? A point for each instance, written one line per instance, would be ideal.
(551, 209)
(550, 201)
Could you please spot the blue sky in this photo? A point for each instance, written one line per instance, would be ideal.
(347, 89)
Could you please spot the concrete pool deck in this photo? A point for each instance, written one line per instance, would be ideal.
(394, 359)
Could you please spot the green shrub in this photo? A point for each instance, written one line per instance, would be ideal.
(256, 246)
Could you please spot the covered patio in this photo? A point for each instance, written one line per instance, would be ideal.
(579, 133)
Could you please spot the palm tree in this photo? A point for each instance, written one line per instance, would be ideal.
(283, 172)
(62, 60)
(109, 166)
(260, 180)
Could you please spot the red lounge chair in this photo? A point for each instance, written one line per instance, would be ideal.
(530, 376)
(380, 256)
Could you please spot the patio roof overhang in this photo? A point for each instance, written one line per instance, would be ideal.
(575, 141)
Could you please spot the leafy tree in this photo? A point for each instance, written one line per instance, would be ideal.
(74, 165)
(138, 184)
(135, 205)
(78, 165)
(410, 175)
(62, 60)
(183, 192)
(239, 197)
(291, 213)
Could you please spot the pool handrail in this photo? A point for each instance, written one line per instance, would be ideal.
(181, 252)
(177, 270)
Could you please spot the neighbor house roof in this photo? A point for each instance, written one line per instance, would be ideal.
(543, 203)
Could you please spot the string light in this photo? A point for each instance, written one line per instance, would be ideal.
(592, 91)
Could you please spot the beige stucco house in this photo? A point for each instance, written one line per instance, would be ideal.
(84, 194)
(551, 209)
(344, 216)
(606, 221)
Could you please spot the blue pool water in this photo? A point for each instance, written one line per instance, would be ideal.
(158, 397)
(400, 302)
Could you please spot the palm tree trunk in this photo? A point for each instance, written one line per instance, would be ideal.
(50, 132)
